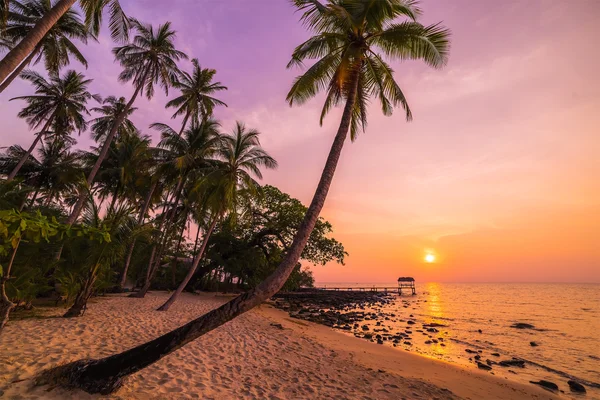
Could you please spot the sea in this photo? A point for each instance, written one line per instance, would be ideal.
(560, 342)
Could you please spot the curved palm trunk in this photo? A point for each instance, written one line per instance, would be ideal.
(106, 375)
(26, 46)
(104, 151)
(26, 156)
(140, 220)
(192, 269)
(19, 69)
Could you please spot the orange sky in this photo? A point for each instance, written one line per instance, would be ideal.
(498, 174)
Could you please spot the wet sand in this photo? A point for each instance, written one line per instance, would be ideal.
(246, 358)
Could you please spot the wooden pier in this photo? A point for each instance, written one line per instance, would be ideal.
(406, 283)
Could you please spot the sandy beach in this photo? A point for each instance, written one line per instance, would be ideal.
(246, 358)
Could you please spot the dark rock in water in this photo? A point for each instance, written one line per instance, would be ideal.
(368, 336)
(496, 354)
(365, 327)
(479, 330)
(533, 344)
(490, 362)
(483, 366)
(379, 341)
(409, 322)
(408, 343)
(428, 342)
(435, 325)
(512, 363)
(443, 344)
(546, 385)
(278, 326)
(477, 357)
(576, 387)
(522, 325)
(470, 351)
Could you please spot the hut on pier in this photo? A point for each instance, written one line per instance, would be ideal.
(406, 282)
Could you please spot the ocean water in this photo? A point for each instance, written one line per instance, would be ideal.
(565, 317)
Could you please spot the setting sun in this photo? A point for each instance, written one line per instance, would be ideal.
(429, 258)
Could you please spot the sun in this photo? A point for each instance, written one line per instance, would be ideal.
(429, 258)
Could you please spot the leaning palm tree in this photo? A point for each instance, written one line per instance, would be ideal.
(349, 35)
(110, 110)
(148, 61)
(59, 104)
(93, 9)
(196, 99)
(56, 45)
(242, 157)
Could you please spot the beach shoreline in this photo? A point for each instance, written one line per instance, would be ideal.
(262, 354)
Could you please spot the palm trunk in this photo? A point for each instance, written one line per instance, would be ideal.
(150, 271)
(174, 266)
(196, 241)
(5, 304)
(106, 375)
(26, 46)
(192, 269)
(26, 156)
(157, 251)
(80, 304)
(19, 69)
(185, 119)
(105, 147)
(140, 220)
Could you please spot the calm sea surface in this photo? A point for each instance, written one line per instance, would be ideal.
(565, 317)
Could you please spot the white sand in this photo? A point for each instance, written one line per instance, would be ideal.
(246, 358)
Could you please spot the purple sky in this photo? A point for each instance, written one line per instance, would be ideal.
(497, 175)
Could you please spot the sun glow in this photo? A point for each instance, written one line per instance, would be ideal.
(429, 258)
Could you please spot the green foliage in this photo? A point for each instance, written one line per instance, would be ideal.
(351, 39)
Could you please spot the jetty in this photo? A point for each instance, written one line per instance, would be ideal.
(404, 282)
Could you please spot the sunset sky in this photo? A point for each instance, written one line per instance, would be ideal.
(497, 176)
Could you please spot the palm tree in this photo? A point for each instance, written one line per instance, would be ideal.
(59, 104)
(110, 110)
(118, 24)
(122, 169)
(53, 174)
(242, 158)
(189, 154)
(347, 33)
(195, 100)
(56, 45)
(149, 60)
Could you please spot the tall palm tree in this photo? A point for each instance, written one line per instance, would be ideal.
(118, 24)
(196, 99)
(347, 32)
(182, 157)
(242, 157)
(59, 104)
(148, 61)
(56, 45)
(110, 111)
